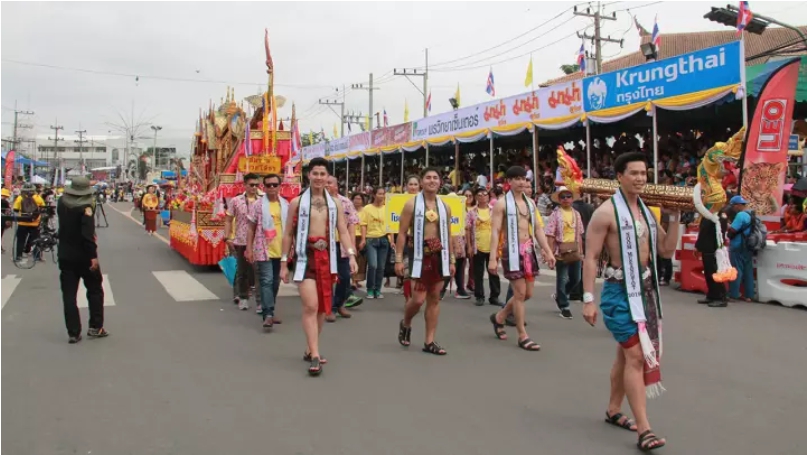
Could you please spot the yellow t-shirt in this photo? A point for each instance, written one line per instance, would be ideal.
(483, 230)
(373, 217)
(454, 176)
(539, 219)
(18, 207)
(276, 245)
(569, 223)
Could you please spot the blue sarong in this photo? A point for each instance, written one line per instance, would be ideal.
(616, 311)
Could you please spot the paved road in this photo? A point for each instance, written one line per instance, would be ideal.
(191, 376)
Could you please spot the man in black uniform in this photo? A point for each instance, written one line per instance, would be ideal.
(78, 258)
(706, 245)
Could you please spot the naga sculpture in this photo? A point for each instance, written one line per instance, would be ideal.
(709, 195)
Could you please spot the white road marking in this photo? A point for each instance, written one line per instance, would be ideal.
(182, 287)
(9, 284)
(109, 299)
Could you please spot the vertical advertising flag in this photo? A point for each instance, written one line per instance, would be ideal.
(8, 174)
(764, 158)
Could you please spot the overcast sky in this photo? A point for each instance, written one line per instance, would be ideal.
(316, 47)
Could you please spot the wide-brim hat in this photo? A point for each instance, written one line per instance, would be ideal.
(79, 186)
(561, 189)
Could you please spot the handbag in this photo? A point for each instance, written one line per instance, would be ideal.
(569, 252)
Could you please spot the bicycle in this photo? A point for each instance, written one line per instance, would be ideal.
(46, 242)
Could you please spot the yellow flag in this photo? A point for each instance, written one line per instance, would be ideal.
(367, 123)
(310, 138)
(335, 133)
(406, 111)
(528, 79)
(457, 95)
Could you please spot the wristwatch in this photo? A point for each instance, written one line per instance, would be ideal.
(588, 297)
(284, 258)
(351, 252)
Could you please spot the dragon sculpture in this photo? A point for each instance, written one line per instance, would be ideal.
(709, 195)
(570, 172)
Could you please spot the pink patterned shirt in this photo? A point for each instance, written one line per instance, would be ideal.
(351, 217)
(259, 246)
(239, 209)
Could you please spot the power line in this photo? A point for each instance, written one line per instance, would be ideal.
(163, 78)
(503, 43)
(637, 7)
(460, 68)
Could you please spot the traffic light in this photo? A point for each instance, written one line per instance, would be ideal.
(728, 17)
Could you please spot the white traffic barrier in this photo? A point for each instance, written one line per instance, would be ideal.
(782, 273)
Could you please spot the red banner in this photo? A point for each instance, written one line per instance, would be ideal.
(8, 176)
(764, 160)
(400, 134)
(380, 138)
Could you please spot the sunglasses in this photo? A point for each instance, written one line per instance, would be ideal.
(565, 196)
(271, 185)
(252, 185)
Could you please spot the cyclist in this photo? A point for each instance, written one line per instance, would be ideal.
(27, 204)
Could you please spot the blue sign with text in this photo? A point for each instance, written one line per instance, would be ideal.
(688, 73)
(793, 143)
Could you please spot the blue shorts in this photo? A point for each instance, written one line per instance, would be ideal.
(616, 311)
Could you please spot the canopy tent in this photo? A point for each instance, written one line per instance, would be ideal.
(757, 75)
(27, 162)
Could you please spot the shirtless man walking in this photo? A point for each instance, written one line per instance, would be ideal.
(515, 213)
(315, 216)
(431, 258)
(630, 302)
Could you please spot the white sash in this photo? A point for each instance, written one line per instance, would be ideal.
(511, 214)
(303, 224)
(418, 226)
(629, 248)
(268, 221)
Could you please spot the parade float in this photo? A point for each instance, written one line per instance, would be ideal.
(230, 142)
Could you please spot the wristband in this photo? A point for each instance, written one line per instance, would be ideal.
(588, 297)
(351, 252)
(284, 258)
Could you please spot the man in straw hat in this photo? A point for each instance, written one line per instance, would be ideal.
(78, 258)
(564, 232)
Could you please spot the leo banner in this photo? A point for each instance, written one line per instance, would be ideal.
(764, 159)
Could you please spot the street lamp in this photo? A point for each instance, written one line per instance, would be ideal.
(156, 128)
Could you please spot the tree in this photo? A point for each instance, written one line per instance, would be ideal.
(570, 69)
(305, 138)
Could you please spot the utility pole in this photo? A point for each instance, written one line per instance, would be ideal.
(407, 72)
(18, 125)
(370, 89)
(55, 139)
(156, 128)
(81, 141)
(597, 39)
(341, 115)
(355, 119)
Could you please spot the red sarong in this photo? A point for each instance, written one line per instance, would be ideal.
(318, 269)
(151, 220)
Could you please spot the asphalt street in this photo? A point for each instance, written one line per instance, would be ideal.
(184, 372)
